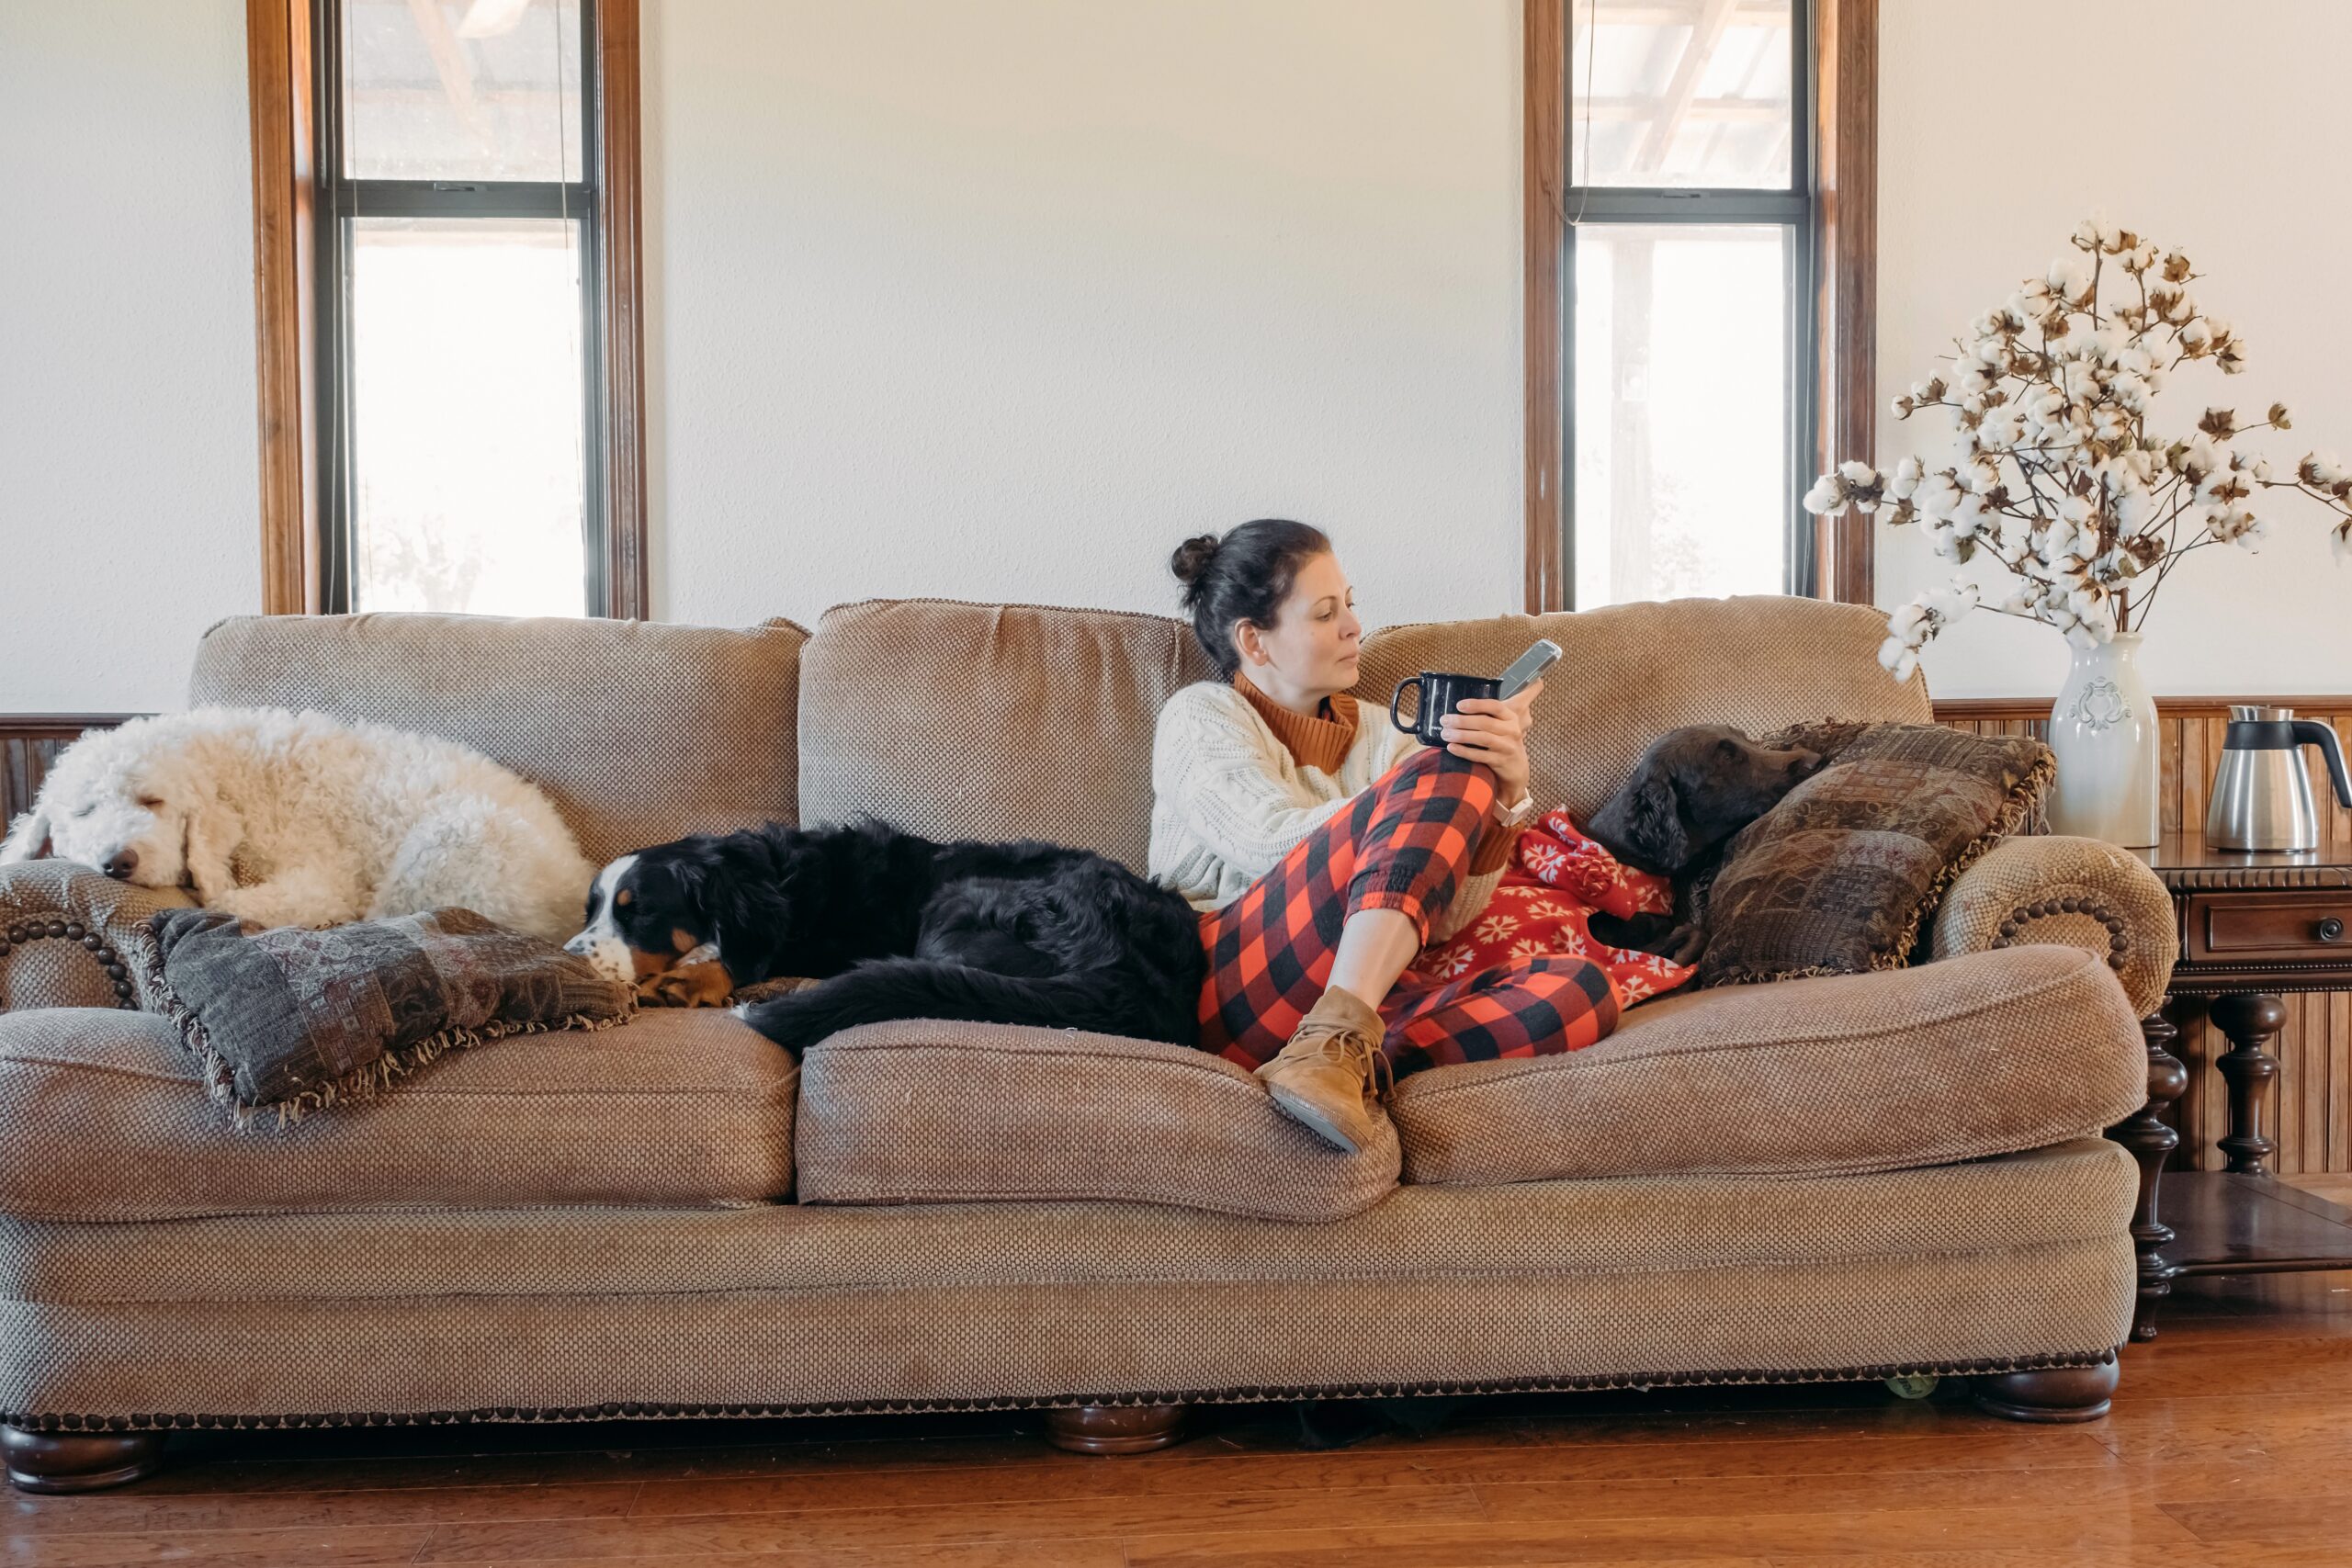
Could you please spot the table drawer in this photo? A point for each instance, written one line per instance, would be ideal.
(2315, 925)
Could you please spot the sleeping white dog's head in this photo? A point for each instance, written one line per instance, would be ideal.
(140, 811)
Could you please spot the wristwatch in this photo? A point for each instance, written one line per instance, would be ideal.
(1516, 816)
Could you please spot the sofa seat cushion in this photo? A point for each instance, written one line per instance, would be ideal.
(104, 1118)
(924, 1112)
(1956, 1060)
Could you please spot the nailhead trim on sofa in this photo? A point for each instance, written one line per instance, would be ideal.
(25, 933)
(633, 1412)
(2119, 941)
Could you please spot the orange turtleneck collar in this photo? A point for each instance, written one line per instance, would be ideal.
(1320, 742)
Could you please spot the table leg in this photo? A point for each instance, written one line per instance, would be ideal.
(2251, 1020)
(2151, 1142)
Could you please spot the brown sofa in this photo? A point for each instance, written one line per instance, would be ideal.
(1853, 1177)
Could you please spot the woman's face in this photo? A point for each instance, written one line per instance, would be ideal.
(1312, 646)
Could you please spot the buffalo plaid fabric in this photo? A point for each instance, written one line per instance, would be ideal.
(1403, 844)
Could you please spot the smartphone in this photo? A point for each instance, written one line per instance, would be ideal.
(1529, 665)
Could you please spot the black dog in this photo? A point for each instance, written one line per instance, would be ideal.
(1691, 790)
(899, 927)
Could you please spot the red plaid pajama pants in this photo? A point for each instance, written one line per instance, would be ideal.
(1403, 844)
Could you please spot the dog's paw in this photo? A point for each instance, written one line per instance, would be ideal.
(688, 985)
(1683, 946)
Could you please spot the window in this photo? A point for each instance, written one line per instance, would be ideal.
(1686, 251)
(456, 237)
(450, 372)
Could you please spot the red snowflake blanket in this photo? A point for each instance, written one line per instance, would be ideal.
(1557, 881)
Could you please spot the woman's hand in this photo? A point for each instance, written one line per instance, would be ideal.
(1485, 729)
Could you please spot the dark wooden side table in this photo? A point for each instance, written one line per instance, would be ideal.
(2252, 926)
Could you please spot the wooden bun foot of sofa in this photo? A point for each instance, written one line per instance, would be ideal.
(1115, 1429)
(79, 1461)
(2053, 1394)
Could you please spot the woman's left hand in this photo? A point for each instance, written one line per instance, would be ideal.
(1490, 730)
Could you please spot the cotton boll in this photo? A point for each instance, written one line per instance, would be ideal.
(1905, 481)
(1938, 494)
(2134, 508)
(1826, 495)
(1857, 473)
(2069, 277)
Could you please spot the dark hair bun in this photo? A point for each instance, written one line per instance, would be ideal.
(1244, 576)
(1193, 558)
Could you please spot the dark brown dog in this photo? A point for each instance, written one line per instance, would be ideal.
(1689, 794)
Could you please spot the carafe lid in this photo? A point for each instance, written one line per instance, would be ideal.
(2259, 714)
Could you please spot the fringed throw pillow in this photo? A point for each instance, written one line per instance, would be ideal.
(294, 1017)
(1844, 874)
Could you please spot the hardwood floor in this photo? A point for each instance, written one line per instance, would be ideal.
(2228, 1445)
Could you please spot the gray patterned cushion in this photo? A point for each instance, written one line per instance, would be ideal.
(296, 1018)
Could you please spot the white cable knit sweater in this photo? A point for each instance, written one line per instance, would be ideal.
(1229, 800)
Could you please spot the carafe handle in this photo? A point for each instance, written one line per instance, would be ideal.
(2311, 732)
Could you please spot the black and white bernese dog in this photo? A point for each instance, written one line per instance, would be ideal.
(897, 926)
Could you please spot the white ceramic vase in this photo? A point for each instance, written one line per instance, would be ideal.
(2104, 732)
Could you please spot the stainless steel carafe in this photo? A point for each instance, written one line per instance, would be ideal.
(2262, 800)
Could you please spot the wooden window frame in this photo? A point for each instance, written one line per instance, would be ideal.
(281, 91)
(1844, 145)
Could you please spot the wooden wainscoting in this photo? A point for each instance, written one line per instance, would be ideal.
(2313, 1113)
(29, 742)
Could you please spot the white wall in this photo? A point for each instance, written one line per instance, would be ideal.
(1000, 300)
(128, 517)
(2218, 129)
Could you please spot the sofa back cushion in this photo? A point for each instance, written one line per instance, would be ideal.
(990, 721)
(639, 732)
(1630, 672)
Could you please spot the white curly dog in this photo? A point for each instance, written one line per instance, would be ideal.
(300, 819)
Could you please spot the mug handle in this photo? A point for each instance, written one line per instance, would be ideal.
(1396, 699)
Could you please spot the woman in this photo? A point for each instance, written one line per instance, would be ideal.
(1324, 851)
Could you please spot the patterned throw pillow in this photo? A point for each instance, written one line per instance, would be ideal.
(1843, 876)
(293, 1017)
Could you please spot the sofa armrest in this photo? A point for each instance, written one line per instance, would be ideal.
(73, 938)
(2078, 891)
